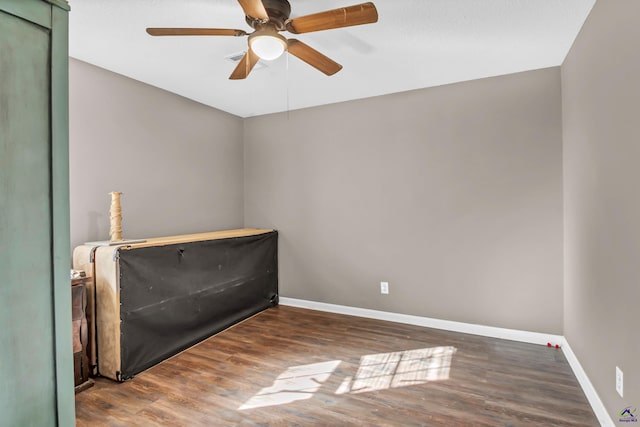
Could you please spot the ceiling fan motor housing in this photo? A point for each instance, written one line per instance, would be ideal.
(278, 11)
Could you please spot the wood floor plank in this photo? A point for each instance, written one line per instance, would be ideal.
(295, 367)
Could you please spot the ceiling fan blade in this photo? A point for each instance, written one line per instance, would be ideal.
(195, 32)
(365, 13)
(244, 67)
(254, 9)
(313, 57)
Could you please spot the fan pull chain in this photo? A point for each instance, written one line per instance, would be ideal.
(288, 94)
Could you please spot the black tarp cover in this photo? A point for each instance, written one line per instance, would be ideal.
(174, 296)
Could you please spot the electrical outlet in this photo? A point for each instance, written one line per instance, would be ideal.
(619, 381)
(384, 287)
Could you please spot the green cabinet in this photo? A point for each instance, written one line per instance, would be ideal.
(36, 362)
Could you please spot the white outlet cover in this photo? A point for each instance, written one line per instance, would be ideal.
(619, 382)
(384, 287)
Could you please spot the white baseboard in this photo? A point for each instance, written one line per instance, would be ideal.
(592, 396)
(467, 328)
(470, 328)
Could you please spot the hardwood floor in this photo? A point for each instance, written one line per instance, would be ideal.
(293, 367)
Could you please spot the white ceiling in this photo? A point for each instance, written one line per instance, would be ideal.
(415, 44)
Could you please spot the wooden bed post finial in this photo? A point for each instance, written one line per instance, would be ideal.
(115, 230)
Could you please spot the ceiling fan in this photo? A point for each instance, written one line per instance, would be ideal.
(268, 18)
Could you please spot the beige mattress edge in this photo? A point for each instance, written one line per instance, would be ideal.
(199, 237)
(108, 311)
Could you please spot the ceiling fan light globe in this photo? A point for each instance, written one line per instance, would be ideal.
(268, 47)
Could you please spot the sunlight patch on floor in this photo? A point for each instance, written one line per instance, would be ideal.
(399, 369)
(296, 383)
(376, 372)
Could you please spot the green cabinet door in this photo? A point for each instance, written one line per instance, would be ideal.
(30, 264)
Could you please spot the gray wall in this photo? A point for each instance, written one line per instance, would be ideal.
(179, 163)
(452, 194)
(601, 117)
